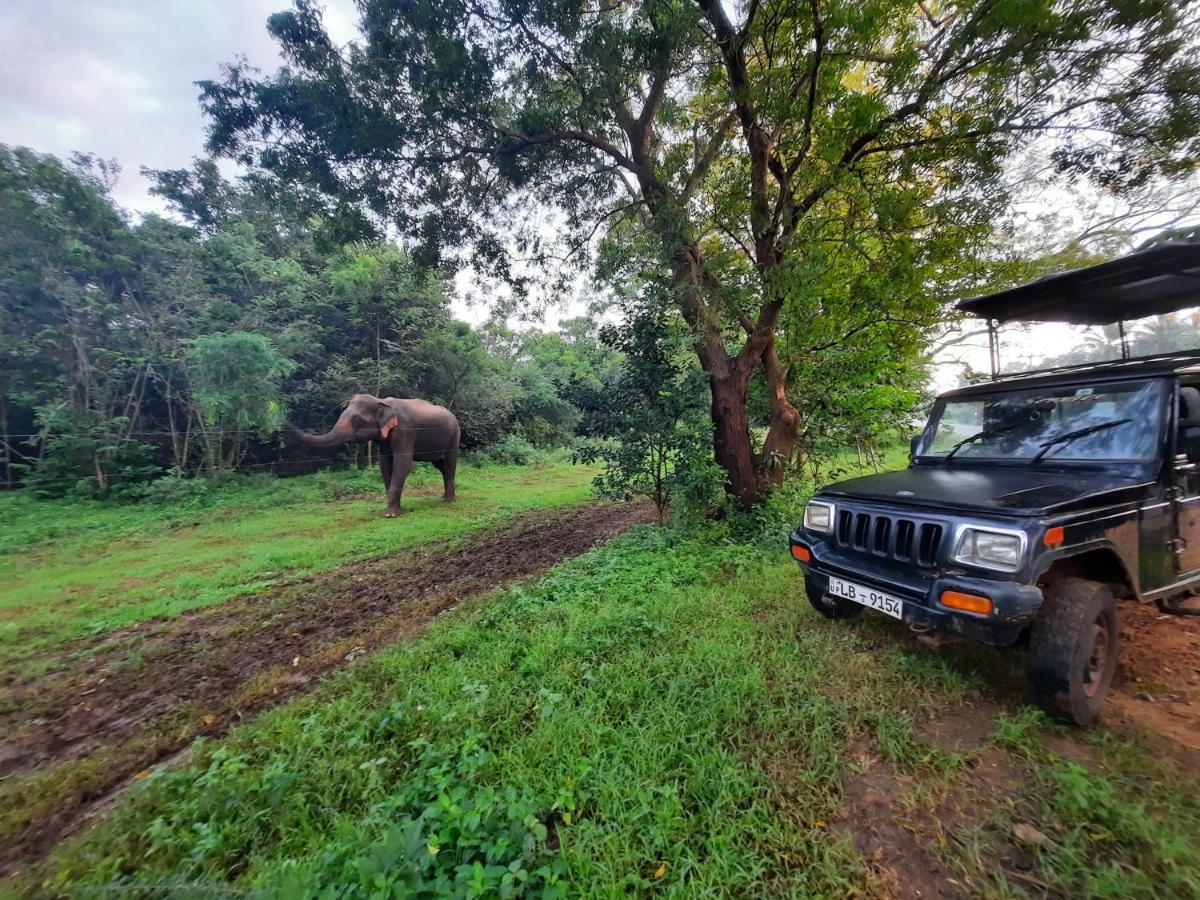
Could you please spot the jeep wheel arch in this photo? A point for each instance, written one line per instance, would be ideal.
(1102, 564)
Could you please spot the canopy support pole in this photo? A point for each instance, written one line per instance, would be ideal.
(993, 349)
(1124, 340)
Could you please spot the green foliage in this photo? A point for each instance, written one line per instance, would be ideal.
(76, 567)
(513, 450)
(811, 181)
(443, 833)
(85, 455)
(664, 714)
(235, 381)
(129, 349)
(652, 433)
(1116, 843)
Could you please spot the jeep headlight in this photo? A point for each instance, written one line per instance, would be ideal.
(818, 516)
(1000, 550)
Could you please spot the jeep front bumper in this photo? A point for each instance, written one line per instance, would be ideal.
(1014, 605)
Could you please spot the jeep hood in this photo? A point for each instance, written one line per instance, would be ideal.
(1007, 491)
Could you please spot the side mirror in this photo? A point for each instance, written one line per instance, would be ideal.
(912, 445)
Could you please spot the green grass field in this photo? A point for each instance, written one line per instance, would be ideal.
(75, 568)
(662, 715)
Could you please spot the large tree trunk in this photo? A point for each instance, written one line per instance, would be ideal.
(731, 436)
(728, 378)
(784, 429)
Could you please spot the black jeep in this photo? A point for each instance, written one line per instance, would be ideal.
(1033, 502)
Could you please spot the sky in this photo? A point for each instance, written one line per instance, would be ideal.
(116, 77)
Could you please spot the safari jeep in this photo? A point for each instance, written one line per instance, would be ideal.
(1033, 503)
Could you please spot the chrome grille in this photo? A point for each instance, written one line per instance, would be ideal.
(895, 537)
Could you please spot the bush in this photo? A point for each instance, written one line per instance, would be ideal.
(513, 450)
(173, 489)
(340, 485)
(655, 424)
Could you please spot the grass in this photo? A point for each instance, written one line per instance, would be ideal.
(77, 568)
(662, 715)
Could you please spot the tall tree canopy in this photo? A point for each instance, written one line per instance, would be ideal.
(763, 145)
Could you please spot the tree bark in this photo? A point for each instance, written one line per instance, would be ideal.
(728, 378)
(732, 448)
(784, 429)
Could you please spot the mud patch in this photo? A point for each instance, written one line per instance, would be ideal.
(871, 818)
(1158, 678)
(147, 693)
(968, 727)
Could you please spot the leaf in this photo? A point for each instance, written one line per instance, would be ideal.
(1027, 834)
(660, 871)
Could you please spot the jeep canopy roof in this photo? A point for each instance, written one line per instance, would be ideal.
(1149, 282)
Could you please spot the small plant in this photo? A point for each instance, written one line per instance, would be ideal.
(175, 488)
(656, 438)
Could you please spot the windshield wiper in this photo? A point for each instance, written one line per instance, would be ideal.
(979, 436)
(1068, 436)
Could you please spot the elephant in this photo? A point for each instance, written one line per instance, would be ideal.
(406, 430)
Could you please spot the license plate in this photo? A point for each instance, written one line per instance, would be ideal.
(885, 603)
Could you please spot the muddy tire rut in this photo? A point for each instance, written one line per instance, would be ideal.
(145, 694)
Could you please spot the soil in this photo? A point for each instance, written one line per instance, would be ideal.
(872, 821)
(1157, 688)
(133, 699)
(1156, 697)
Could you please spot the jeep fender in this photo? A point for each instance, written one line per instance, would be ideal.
(1098, 560)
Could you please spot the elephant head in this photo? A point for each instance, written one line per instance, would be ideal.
(365, 418)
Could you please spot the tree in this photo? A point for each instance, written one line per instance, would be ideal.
(652, 434)
(128, 347)
(235, 382)
(71, 353)
(742, 138)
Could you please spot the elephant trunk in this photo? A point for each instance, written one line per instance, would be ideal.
(335, 437)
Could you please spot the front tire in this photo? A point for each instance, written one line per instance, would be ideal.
(826, 604)
(1073, 650)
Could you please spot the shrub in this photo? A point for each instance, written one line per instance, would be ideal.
(513, 450)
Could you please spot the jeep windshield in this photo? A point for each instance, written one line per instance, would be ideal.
(1096, 422)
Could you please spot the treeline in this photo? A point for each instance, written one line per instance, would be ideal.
(131, 349)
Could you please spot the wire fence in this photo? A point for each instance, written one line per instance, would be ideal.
(149, 476)
(194, 433)
(125, 477)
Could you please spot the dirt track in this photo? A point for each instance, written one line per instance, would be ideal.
(148, 692)
(1158, 677)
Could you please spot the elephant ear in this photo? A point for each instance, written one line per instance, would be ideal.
(388, 419)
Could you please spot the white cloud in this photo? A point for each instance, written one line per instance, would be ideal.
(117, 77)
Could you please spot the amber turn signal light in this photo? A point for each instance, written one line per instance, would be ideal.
(971, 603)
(801, 552)
(1053, 536)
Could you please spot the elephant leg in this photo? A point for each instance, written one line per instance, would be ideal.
(385, 466)
(401, 466)
(448, 465)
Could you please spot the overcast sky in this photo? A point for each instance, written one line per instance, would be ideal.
(116, 77)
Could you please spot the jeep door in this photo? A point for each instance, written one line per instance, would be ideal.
(1186, 477)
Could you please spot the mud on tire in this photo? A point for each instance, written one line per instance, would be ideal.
(826, 604)
(1073, 650)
